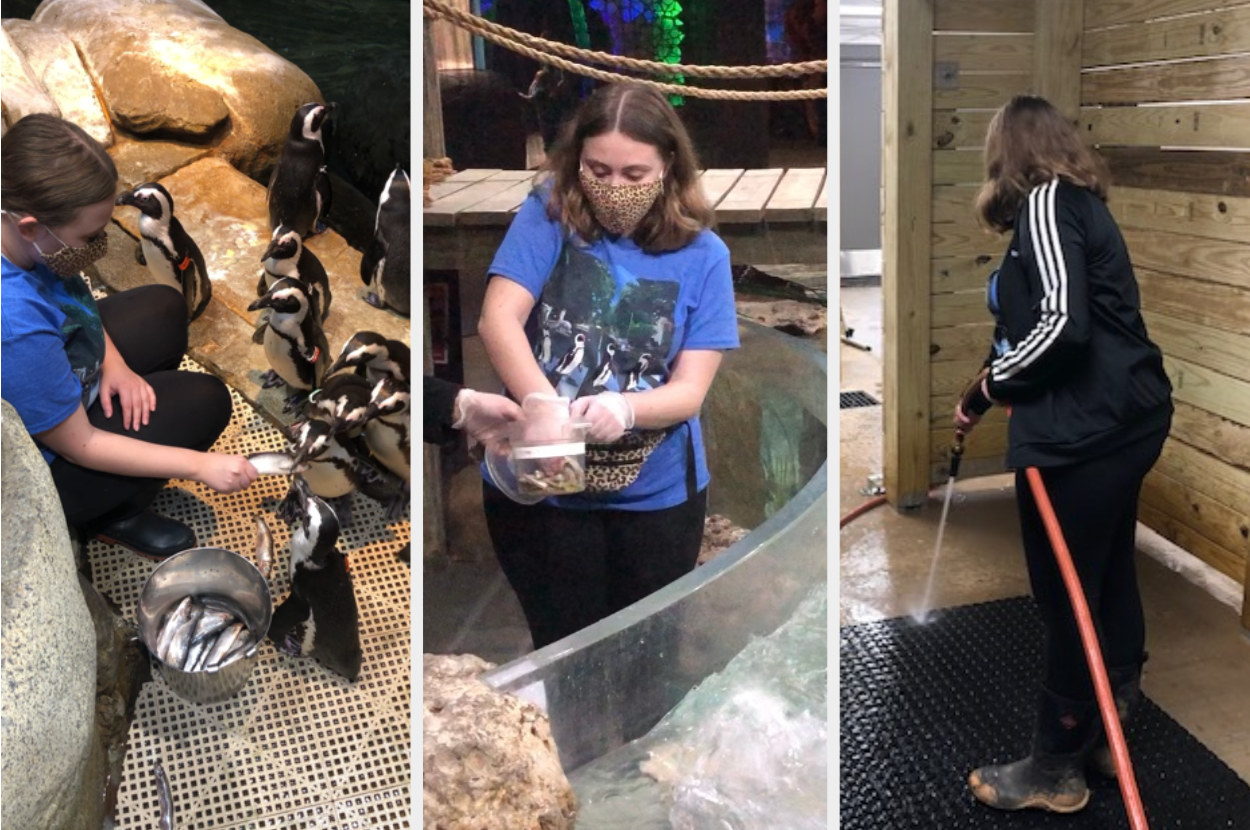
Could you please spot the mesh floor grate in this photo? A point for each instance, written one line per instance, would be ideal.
(853, 400)
(298, 746)
(922, 705)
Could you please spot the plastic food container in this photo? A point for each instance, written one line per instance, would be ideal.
(201, 572)
(551, 468)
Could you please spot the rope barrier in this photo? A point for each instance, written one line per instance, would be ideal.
(517, 41)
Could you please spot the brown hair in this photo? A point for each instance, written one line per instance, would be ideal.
(1029, 142)
(643, 114)
(50, 168)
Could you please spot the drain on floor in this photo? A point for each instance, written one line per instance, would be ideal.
(854, 400)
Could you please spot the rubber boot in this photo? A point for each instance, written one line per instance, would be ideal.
(1052, 777)
(1126, 689)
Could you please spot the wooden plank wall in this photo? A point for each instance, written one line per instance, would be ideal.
(983, 53)
(1165, 95)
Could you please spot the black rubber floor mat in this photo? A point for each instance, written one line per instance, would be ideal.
(922, 705)
(854, 400)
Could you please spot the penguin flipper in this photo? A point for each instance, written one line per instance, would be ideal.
(293, 611)
(139, 257)
(373, 254)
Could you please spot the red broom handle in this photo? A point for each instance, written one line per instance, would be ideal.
(1093, 654)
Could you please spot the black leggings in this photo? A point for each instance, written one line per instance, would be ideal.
(571, 568)
(1096, 504)
(148, 325)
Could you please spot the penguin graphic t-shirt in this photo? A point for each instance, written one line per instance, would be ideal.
(609, 316)
(53, 345)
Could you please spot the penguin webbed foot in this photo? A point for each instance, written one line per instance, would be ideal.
(319, 227)
(294, 402)
(398, 508)
(270, 379)
(404, 554)
(372, 299)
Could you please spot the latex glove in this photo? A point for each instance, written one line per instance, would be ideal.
(608, 415)
(485, 417)
(974, 402)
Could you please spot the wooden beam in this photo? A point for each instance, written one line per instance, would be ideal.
(433, 145)
(1221, 32)
(1114, 12)
(907, 59)
(1058, 26)
(1198, 125)
(979, 15)
(985, 52)
(1223, 173)
(1201, 80)
(1225, 218)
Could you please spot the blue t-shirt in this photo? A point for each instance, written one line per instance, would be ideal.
(610, 316)
(52, 347)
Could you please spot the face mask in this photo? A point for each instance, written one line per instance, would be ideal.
(69, 261)
(619, 207)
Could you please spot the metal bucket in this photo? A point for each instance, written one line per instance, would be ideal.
(206, 572)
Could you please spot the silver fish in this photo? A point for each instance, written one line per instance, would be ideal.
(275, 464)
(241, 647)
(166, 797)
(212, 621)
(195, 654)
(170, 627)
(222, 645)
(264, 547)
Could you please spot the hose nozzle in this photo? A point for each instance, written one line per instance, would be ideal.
(957, 452)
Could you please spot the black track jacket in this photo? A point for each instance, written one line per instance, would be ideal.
(1073, 359)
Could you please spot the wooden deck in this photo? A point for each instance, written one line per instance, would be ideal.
(765, 216)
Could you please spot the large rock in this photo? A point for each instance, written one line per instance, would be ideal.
(22, 94)
(54, 61)
(488, 759)
(49, 652)
(225, 213)
(176, 70)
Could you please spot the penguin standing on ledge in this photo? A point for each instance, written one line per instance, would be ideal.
(299, 187)
(295, 343)
(287, 256)
(169, 252)
(320, 618)
(385, 266)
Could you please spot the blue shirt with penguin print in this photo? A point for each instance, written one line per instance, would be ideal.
(52, 348)
(608, 316)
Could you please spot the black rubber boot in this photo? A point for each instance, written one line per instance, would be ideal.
(1126, 689)
(1052, 777)
(149, 534)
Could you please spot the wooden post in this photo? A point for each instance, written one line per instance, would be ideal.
(907, 60)
(1245, 600)
(1058, 28)
(433, 521)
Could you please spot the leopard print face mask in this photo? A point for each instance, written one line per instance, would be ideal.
(70, 260)
(619, 207)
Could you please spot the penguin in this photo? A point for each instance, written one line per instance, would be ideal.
(342, 401)
(320, 617)
(388, 436)
(169, 252)
(287, 256)
(375, 357)
(299, 187)
(295, 343)
(543, 352)
(636, 373)
(385, 265)
(596, 381)
(571, 360)
(330, 473)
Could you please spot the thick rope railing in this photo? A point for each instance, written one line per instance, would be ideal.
(518, 41)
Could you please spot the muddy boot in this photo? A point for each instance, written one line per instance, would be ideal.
(1126, 688)
(1052, 777)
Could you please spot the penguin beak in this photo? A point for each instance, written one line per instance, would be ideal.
(126, 198)
(263, 302)
(271, 250)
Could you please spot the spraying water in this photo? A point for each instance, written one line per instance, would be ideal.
(921, 614)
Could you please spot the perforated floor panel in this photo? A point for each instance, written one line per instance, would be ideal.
(923, 705)
(854, 400)
(298, 746)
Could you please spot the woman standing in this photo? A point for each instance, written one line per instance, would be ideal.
(82, 375)
(1090, 408)
(610, 290)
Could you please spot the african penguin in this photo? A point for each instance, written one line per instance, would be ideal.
(385, 265)
(636, 373)
(375, 357)
(295, 343)
(287, 256)
(569, 363)
(320, 617)
(299, 187)
(169, 252)
(387, 435)
(342, 401)
(596, 381)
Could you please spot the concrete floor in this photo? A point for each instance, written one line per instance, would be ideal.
(1199, 667)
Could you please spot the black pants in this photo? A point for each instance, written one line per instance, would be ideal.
(1096, 504)
(148, 325)
(571, 568)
